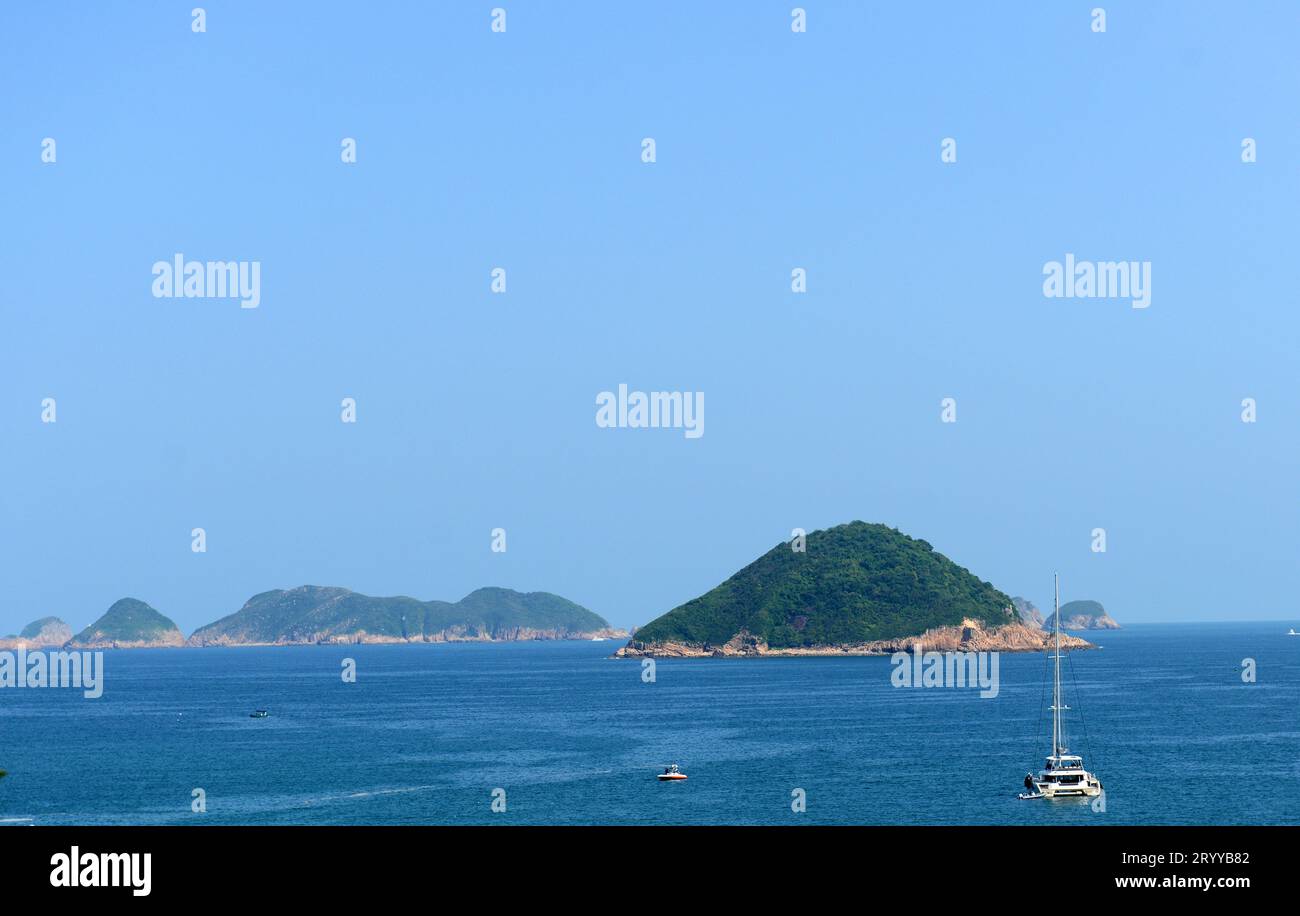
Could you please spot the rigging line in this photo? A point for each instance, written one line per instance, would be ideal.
(1042, 702)
(1099, 756)
(1082, 722)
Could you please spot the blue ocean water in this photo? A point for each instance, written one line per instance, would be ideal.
(427, 732)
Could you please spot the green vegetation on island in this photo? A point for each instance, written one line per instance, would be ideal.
(47, 631)
(1083, 615)
(853, 584)
(129, 623)
(40, 628)
(311, 614)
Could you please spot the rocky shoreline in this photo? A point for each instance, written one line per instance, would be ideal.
(364, 638)
(352, 639)
(970, 636)
(60, 637)
(172, 642)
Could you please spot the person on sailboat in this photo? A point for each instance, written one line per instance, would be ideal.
(1029, 783)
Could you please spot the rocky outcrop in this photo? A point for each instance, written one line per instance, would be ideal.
(173, 640)
(1029, 615)
(970, 636)
(47, 631)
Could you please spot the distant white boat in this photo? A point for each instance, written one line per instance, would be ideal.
(603, 639)
(1292, 632)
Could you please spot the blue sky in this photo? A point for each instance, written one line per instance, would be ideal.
(522, 150)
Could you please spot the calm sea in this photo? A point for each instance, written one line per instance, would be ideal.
(428, 732)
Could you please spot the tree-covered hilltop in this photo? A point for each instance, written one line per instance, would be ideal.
(500, 609)
(129, 622)
(854, 583)
(46, 631)
(1083, 615)
(44, 627)
(312, 613)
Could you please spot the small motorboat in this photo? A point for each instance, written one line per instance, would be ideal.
(1292, 632)
(258, 714)
(671, 773)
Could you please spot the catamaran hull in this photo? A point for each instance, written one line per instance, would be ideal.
(1046, 790)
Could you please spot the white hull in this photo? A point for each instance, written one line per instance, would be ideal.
(1087, 787)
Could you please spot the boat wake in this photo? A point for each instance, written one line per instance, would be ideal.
(398, 791)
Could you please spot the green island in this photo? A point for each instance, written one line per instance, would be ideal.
(316, 614)
(129, 623)
(857, 588)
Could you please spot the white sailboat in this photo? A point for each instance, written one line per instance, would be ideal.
(1062, 775)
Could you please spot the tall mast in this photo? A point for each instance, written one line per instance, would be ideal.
(1056, 681)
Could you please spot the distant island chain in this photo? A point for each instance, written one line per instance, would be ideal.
(855, 589)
